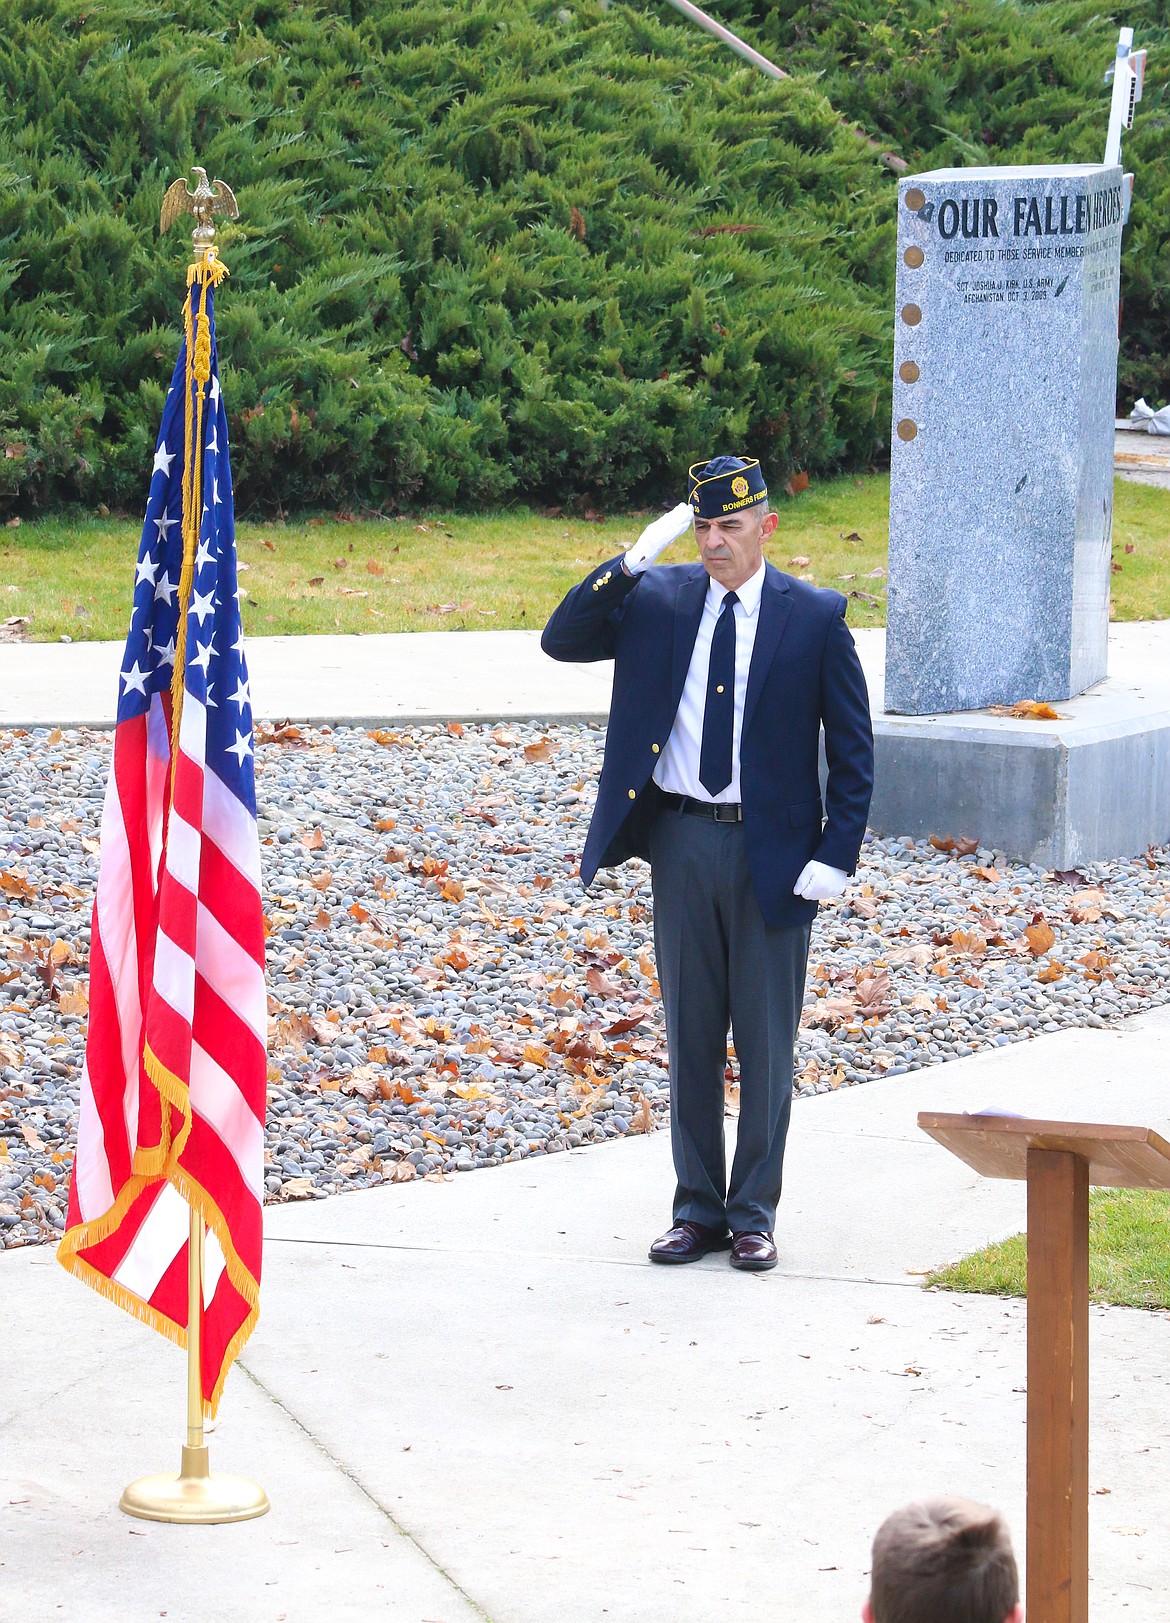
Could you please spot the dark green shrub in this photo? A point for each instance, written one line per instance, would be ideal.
(483, 250)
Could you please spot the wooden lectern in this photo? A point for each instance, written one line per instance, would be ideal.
(1059, 1159)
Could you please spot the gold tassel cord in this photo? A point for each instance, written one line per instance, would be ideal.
(198, 370)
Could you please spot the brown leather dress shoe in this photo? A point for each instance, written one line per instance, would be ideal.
(753, 1252)
(687, 1242)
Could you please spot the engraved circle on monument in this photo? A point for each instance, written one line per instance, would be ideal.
(1001, 501)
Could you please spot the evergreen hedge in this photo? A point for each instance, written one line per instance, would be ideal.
(548, 249)
(488, 249)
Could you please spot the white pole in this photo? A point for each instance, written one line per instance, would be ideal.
(1119, 104)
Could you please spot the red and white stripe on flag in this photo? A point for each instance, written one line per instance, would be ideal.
(174, 1081)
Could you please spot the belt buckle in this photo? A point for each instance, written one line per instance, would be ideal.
(734, 814)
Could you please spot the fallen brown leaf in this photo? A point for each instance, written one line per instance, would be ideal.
(1086, 906)
(1027, 710)
(873, 993)
(282, 732)
(963, 846)
(642, 1121)
(599, 983)
(627, 1023)
(1070, 876)
(1039, 936)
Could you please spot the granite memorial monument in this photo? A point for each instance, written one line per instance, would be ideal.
(1001, 491)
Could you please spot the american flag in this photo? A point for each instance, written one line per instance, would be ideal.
(173, 1086)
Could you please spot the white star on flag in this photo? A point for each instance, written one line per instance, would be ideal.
(214, 492)
(213, 443)
(215, 389)
(204, 555)
(242, 746)
(165, 526)
(202, 606)
(147, 570)
(238, 645)
(203, 657)
(166, 655)
(241, 696)
(165, 590)
(162, 461)
(209, 701)
(135, 679)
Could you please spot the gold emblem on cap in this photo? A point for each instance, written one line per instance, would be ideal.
(739, 486)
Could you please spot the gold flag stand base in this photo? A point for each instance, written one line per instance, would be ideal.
(194, 1496)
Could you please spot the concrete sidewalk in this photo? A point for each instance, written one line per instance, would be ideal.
(480, 1401)
(419, 676)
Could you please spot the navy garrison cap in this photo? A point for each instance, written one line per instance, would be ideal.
(726, 484)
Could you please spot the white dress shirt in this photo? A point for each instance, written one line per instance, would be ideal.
(678, 768)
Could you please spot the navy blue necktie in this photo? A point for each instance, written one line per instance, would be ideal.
(719, 713)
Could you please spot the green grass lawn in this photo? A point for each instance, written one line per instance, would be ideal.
(1129, 1254)
(458, 572)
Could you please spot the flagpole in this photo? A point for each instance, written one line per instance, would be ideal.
(195, 1444)
(195, 1495)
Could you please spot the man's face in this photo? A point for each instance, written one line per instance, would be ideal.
(732, 547)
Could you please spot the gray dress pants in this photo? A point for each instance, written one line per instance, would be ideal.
(720, 966)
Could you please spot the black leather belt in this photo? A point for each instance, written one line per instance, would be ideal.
(717, 811)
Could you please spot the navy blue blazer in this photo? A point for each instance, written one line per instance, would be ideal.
(804, 674)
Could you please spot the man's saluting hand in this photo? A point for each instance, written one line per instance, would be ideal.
(656, 537)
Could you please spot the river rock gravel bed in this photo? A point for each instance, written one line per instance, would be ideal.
(444, 996)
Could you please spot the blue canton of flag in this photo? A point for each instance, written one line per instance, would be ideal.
(216, 672)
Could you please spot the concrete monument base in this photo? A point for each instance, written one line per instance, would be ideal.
(1091, 786)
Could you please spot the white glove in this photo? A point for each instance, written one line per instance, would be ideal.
(819, 883)
(656, 537)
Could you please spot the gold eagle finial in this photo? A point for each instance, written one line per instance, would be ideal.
(208, 199)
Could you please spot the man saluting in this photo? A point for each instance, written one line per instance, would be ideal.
(725, 672)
